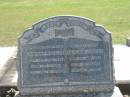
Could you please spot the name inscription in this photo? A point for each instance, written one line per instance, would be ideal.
(55, 60)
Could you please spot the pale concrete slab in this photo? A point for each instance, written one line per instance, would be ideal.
(14, 80)
(122, 63)
(7, 70)
(116, 93)
(5, 54)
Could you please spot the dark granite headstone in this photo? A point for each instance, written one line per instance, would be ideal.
(128, 41)
(65, 55)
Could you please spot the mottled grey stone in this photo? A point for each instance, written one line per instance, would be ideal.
(128, 41)
(115, 93)
(65, 54)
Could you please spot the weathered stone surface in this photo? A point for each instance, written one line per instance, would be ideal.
(128, 41)
(65, 54)
(115, 93)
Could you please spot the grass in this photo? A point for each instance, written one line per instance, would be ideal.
(18, 15)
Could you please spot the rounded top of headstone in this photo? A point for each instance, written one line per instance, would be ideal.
(64, 23)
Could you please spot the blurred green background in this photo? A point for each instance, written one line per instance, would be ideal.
(18, 15)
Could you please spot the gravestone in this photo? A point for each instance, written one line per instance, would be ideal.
(65, 56)
(128, 41)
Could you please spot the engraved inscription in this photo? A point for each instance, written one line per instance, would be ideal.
(72, 95)
(64, 32)
(74, 57)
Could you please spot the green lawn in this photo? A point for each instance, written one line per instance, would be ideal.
(18, 15)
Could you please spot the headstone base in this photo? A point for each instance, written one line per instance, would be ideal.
(115, 93)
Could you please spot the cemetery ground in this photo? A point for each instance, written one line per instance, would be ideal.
(17, 15)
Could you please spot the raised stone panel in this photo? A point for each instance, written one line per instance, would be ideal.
(65, 54)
